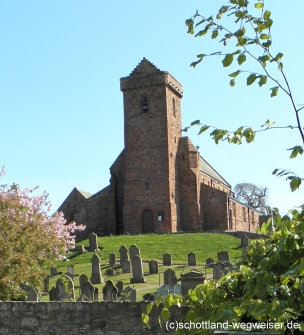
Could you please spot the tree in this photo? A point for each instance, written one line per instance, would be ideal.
(253, 40)
(30, 239)
(253, 196)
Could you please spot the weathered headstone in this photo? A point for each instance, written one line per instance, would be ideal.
(191, 259)
(46, 283)
(223, 256)
(70, 271)
(134, 251)
(209, 263)
(126, 266)
(120, 287)
(79, 248)
(112, 259)
(167, 260)
(93, 242)
(65, 289)
(137, 270)
(170, 277)
(53, 271)
(89, 292)
(110, 291)
(123, 254)
(244, 242)
(190, 280)
(53, 294)
(83, 279)
(153, 267)
(128, 294)
(111, 272)
(218, 270)
(32, 294)
(96, 273)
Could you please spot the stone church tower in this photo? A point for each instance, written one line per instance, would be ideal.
(152, 125)
(159, 183)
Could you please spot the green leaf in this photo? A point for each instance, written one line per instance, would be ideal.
(267, 44)
(241, 59)
(227, 60)
(264, 37)
(274, 91)
(232, 83)
(274, 172)
(149, 307)
(204, 128)
(259, 5)
(263, 80)
(295, 151)
(234, 74)
(251, 79)
(195, 122)
(214, 34)
(145, 318)
(165, 314)
(266, 15)
(277, 57)
(193, 64)
(240, 32)
(168, 301)
(295, 183)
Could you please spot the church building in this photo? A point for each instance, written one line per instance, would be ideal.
(159, 183)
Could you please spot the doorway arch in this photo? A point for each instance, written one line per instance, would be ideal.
(147, 221)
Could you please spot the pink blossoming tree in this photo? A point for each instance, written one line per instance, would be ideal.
(30, 239)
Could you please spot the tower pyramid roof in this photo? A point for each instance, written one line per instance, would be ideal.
(144, 67)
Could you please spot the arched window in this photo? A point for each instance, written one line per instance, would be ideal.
(145, 106)
(173, 107)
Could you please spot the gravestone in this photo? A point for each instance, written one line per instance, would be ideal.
(65, 289)
(167, 289)
(79, 248)
(83, 279)
(111, 272)
(167, 260)
(53, 271)
(112, 259)
(110, 291)
(32, 294)
(223, 256)
(148, 297)
(137, 270)
(123, 254)
(191, 259)
(93, 242)
(153, 267)
(134, 251)
(218, 270)
(70, 271)
(46, 284)
(128, 294)
(209, 263)
(190, 280)
(120, 287)
(53, 294)
(126, 266)
(244, 242)
(170, 277)
(89, 292)
(96, 273)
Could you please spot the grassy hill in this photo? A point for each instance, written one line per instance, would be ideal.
(152, 246)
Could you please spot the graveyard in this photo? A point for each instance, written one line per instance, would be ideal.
(99, 262)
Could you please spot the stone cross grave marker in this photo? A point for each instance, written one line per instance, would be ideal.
(153, 267)
(93, 242)
(96, 273)
(191, 259)
(123, 254)
(167, 260)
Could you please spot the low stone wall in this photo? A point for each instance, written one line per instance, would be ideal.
(76, 318)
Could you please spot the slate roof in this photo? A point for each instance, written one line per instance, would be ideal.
(210, 171)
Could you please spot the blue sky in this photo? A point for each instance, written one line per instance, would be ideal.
(61, 106)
